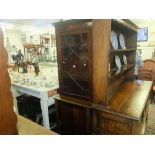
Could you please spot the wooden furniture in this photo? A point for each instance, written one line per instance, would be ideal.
(88, 72)
(148, 73)
(149, 65)
(8, 118)
(73, 116)
(127, 112)
(144, 74)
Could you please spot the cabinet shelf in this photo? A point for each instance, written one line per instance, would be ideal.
(124, 25)
(123, 50)
(116, 72)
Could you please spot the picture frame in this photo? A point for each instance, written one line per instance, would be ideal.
(142, 34)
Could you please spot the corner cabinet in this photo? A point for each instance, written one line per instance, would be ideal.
(96, 60)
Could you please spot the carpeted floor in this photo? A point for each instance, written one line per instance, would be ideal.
(150, 130)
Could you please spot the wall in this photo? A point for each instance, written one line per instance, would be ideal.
(12, 36)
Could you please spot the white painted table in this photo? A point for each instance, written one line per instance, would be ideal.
(46, 96)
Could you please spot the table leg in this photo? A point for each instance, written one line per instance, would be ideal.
(15, 106)
(14, 95)
(44, 108)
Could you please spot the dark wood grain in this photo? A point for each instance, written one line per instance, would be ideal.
(75, 101)
(73, 25)
(8, 118)
(79, 74)
(117, 105)
(105, 121)
(128, 29)
(115, 84)
(101, 43)
(72, 118)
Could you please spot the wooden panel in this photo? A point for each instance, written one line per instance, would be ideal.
(73, 119)
(105, 123)
(72, 25)
(113, 127)
(139, 126)
(115, 85)
(132, 40)
(8, 118)
(59, 59)
(101, 45)
(112, 123)
(75, 101)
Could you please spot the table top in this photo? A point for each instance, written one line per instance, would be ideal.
(130, 100)
(33, 83)
(34, 88)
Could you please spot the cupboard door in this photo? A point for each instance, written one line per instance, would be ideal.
(73, 119)
(75, 64)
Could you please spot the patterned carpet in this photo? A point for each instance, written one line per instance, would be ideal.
(150, 130)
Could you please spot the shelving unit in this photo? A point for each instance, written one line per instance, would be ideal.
(49, 47)
(31, 49)
(119, 76)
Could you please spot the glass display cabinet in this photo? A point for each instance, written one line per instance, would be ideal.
(75, 64)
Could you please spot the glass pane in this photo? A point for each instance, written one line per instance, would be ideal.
(74, 50)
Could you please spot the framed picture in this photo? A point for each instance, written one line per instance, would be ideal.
(142, 34)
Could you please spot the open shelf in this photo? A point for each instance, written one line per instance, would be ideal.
(124, 25)
(116, 72)
(123, 50)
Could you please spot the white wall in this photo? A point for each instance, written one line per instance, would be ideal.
(36, 32)
(13, 36)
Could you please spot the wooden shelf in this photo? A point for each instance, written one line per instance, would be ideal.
(116, 72)
(123, 50)
(124, 25)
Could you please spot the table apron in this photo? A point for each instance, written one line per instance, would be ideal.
(28, 91)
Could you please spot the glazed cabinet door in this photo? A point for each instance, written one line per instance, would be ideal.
(75, 64)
